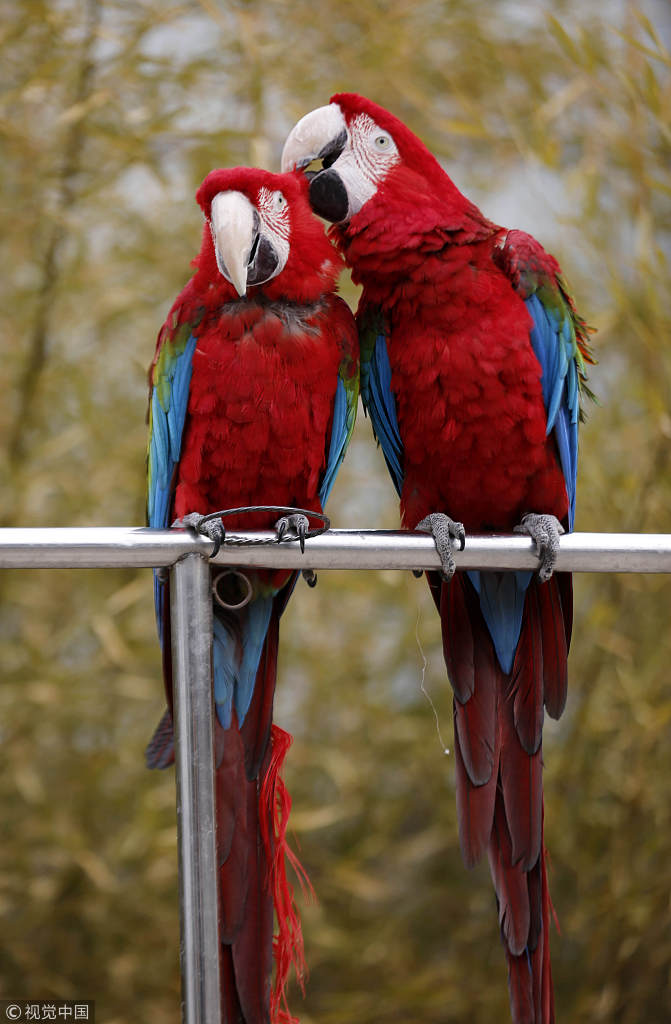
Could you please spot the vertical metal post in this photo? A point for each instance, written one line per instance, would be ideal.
(191, 622)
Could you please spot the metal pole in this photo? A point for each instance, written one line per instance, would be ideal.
(96, 547)
(191, 626)
(103, 547)
(385, 549)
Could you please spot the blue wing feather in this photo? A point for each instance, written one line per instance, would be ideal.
(379, 401)
(344, 414)
(553, 342)
(340, 431)
(166, 426)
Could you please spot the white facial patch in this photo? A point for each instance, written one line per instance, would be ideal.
(366, 161)
(273, 209)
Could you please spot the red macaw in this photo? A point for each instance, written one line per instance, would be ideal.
(253, 393)
(473, 362)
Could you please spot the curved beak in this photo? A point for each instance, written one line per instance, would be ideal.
(321, 133)
(235, 230)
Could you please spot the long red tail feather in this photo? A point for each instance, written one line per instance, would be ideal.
(274, 808)
(498, 764)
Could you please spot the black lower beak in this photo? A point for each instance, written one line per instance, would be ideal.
(263, 261)
(328, 196)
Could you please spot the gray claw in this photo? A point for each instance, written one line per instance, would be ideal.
(545, 531)
(310, 577)
(296, 524)
(444, 530)
(212, 528)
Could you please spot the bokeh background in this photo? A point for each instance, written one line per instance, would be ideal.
(554, 117)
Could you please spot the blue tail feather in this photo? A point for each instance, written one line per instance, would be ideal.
(502, 597)
(236, 653)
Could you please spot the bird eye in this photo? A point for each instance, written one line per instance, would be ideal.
(280, 201)
(382, 142)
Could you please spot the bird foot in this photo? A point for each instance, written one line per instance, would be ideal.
(545, 531)
(212, 528)
(444, 531)
(294, 527)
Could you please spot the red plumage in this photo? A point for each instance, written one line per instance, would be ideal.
(449, 291)
(257, 428)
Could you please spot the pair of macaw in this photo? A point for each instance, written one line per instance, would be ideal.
(472, 368)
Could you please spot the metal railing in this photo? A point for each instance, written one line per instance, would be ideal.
(186, 555)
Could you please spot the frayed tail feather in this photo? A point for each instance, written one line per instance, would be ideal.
(274, 808)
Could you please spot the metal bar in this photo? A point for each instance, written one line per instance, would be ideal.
(380, 549)
(96, 547)
(191, 627)
(100, 547)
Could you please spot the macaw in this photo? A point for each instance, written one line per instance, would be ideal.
(253, 395)
(473, 364)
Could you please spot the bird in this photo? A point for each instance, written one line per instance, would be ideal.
(253, 392)
(474, 374)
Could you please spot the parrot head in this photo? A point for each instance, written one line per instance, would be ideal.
(366, 153)
(261, 235)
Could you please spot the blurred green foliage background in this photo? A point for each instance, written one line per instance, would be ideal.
(554, 117)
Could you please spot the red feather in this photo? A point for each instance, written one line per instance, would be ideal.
(526, 682)
(275, 805)
(555, 646)
(510, 882)
(473, 672)
(475, 806)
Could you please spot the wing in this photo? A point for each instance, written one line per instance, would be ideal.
(376, 394)
(346, 396)
(169, 381)
(559, 338)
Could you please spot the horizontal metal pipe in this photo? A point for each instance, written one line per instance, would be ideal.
(104, 547)
(96, 547)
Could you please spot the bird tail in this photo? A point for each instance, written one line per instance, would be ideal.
(252, 807)
(524, 906)
(498, 763)
(275, 806)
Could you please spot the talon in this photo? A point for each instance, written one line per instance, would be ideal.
(216, 533)
(310, 577)
(296, 524)
(444, 530)
(213, 529)
(545, 531)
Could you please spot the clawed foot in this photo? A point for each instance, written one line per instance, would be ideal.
(545, 531)
(212, 528)
(444, 530)
(295, 526)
